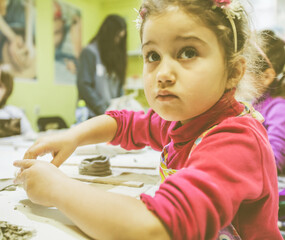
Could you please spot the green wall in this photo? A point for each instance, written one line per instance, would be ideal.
(125, 8)
(46, 98)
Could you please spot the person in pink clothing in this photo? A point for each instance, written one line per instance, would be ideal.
(218, 175)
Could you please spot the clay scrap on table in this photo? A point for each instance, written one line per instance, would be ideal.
(14, 232)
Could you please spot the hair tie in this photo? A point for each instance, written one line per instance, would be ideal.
(141, 16)
(232, 10)
(143, 12)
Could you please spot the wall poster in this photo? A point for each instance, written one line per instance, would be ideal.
(67, 41)
(17, 38)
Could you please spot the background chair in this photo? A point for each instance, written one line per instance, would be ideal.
(47, 123)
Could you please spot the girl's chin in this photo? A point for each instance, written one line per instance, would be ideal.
(174, 116)
(168, 117)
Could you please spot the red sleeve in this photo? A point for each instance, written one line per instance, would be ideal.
(137, 130)
(225, 170)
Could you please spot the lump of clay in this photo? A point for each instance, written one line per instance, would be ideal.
(97, 166)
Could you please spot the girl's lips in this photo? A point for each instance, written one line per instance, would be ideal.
(165, 95)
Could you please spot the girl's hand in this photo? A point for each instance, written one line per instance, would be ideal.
(61, 146)
(40, 180)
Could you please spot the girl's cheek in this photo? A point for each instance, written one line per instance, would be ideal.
(148, 85)
(149, 68)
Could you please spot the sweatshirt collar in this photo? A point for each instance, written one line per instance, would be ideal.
(226, 107)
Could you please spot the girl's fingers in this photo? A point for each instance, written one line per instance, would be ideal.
(57, 160)
(38, 149)
(33, 152)
(24, 164)
(29, 155)
(19, 179)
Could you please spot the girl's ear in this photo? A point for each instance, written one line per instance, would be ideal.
(237, 74)
(269, 75)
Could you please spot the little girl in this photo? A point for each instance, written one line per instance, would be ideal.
(272, 102)
(217, 167)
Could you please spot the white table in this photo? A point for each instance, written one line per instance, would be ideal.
(50, 223)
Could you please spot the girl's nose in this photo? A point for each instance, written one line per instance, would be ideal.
(165, 74)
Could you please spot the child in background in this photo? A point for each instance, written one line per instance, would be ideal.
(272, 103)
(8, 111)
(218, 173)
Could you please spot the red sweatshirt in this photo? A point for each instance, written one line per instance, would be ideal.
(231, 176)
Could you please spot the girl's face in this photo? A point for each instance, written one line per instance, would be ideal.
(184, 69)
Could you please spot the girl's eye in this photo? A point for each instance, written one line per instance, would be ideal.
(152, 57)
(187, 53)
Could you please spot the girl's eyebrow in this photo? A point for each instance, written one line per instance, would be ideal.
(180, 38)
(192, 38)
(147, 43)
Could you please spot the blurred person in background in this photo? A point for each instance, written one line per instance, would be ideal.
(272, 103)
(102, 66)
(13, 120)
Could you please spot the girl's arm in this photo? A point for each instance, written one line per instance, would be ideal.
(95, 130)
(99, 214)
(99, 129)
(104, 215)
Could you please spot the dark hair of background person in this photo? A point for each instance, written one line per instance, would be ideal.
(113, 55)
(274, 49)
(8, 81)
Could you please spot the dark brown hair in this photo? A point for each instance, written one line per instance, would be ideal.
(274, 49)
(114, 56)
(7, 80)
